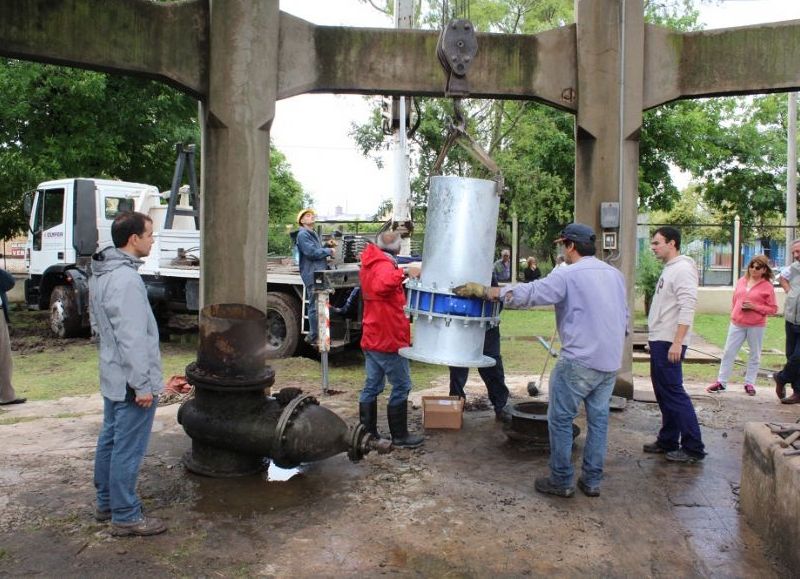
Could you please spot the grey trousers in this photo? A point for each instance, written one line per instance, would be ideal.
(6, 389)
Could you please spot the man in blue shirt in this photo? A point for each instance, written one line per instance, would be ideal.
(312, 256)
(592, 317)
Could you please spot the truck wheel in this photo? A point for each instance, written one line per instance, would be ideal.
(283, 325)
(65, 320)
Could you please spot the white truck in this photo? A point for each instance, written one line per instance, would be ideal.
(70, 219)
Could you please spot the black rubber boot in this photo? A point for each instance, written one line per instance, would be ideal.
(368, 416)
(398, 426)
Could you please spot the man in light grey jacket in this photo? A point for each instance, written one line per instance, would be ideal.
(130, 373)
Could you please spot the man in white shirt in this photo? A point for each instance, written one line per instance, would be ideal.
(669, 324)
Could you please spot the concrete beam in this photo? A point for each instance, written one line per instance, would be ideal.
(170, 42)
(163, 41)
(731, 61)
(401, 62)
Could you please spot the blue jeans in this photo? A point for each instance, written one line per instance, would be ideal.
(382, 365)
(679, 426)
(311, 311)
(569, 384)
(120, 450)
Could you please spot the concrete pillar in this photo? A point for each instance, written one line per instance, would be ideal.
(610, 58)
(243, 70)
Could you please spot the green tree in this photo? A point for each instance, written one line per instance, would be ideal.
(749, 176)
(60, 122)
(718, 140)
(286, 199)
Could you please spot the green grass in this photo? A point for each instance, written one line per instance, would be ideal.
(17, 420)
(52, 374)
(54, 369)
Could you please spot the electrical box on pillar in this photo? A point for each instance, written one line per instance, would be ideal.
(609, 222)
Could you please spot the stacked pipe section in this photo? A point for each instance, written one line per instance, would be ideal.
(460, 233)
(232, 420)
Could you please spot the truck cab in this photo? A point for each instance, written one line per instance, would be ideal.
(69, 219)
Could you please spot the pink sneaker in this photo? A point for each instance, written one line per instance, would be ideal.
(750, 389)
(716, 387)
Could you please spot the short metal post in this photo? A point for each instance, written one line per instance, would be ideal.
(324, 333)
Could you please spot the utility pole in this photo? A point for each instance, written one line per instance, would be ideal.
(791, 177)
(401, 198)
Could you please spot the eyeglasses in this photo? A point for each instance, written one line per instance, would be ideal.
(756, 266)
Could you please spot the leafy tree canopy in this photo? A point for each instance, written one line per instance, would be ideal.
(733, 146)
(61, 122)
(58, 122)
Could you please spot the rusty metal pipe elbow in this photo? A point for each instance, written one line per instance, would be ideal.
(232, 421)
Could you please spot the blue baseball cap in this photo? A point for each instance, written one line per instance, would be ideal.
(577, 232)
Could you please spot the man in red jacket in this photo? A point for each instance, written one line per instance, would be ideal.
(385, 329)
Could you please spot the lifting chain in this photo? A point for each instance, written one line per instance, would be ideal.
(458, 134)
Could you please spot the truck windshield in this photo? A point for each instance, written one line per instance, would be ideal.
(49, 213)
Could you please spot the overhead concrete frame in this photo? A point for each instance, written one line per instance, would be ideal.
(239, 56)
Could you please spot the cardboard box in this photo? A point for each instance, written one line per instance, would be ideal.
(442, 412)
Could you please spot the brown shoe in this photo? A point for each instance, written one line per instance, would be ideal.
(780, 386)
(793, 399)
(144, 527)
(102, 516)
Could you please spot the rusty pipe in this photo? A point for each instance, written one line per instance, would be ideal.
(232, 421)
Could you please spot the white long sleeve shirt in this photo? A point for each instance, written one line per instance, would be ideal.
(674, 301)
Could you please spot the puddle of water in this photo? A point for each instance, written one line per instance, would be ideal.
(274, 488)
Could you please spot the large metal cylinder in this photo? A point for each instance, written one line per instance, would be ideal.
(460, 233)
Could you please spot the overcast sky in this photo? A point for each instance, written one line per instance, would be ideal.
(312, 130)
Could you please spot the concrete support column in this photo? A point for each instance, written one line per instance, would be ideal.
(610, 87)
(243, 66)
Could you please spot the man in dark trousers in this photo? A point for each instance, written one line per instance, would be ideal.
(790, 373)
(130, 373)
(493, 376)
(669, 331)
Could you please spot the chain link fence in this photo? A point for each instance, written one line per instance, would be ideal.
(709, 245)
(768, 240)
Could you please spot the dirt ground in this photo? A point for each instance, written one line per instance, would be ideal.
(462, 506)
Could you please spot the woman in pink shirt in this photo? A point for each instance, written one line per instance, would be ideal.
(753, 301)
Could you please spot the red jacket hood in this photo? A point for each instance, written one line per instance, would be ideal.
(371, 254)
(385, 327)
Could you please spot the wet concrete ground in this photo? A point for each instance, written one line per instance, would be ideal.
(463, 506)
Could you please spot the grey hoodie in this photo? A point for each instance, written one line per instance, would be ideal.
(125, 325)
